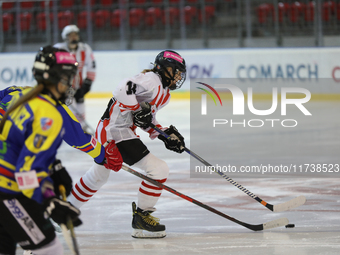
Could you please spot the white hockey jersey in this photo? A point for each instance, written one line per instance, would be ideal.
(117, 122)
(85, 58)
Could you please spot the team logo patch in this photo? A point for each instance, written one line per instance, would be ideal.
(93, 142)
(39, 140)
(46, 123)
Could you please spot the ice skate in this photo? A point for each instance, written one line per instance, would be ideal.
(145, 225)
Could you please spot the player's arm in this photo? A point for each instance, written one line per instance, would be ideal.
(74, 136)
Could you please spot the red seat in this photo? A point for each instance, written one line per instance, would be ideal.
(116, 16)
(84, 2)
(42, 4)
(25, 21)
(27, 5)
(106, 3)
(136, 17)
(173, 15)
(65, 18)
(7, 5)
(139, 2)
(263, 12)
(328, 9)
(157, 2)
(338, 11)
(41, 20)
(66, 3)
(82, 19)
(283, 9)
(309, 11)
(189, 14)
(7, 21)
(101, 18)
(174, 1)
(153, 15)
(296, 10)
(209, 13)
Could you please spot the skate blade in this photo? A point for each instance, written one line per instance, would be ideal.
(139, 233)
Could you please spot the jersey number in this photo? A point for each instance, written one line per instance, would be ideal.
(131, 88)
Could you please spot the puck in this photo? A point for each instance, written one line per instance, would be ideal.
(290, 226)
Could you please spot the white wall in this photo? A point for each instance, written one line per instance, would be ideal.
(307, 65)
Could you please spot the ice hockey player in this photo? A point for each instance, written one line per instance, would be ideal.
(83, 81)
(124, 113)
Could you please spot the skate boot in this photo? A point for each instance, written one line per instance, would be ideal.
(143, 220)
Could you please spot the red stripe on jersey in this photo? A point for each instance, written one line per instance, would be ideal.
(6, 172)
(155, 99)
(124, 107)
(150, 187)
(82, 192)
(78, 198)
(166, 98)
(149, 193)
(159, 101)
(91, 75)
(85, 186)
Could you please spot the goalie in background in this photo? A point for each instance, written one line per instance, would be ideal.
(86, 70)
(135, 102)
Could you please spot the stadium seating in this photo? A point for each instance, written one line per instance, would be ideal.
(101, 18)
(136, 17)
(67, 3)
(7, 6)
(25, 21)
(65, 18)
(173, 15)
(153, 15)
(7, 21)
(82, 19)
(41, 21)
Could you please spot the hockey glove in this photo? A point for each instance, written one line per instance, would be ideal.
(113, 159)
(58, 210)
(80, 93)
(175, 142)
(60, 176)
(143, 117)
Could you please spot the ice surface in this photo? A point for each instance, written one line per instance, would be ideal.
(191, 229)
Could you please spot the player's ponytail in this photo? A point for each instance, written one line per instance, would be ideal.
(22, 100)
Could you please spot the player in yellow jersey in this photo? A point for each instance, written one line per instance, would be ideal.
(32, 129)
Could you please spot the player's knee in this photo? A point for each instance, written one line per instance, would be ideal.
(97, 176)
(156, 168)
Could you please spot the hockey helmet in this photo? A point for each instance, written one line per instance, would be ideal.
(53, 65)
(170, 58)
(69, 29)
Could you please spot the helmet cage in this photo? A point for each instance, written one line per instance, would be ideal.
(170, 59)
(54, 65)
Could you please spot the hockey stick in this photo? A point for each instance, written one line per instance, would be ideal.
(295, 202)
(272, 224)
(74, 110)
(70, 238)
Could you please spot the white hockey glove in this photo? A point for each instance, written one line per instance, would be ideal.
(176, 140)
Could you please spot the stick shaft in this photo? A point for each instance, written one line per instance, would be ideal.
(192, 200)
(239, 186)
(69, 223)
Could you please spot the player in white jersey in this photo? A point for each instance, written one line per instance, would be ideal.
(119, 122)
(83, 81)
